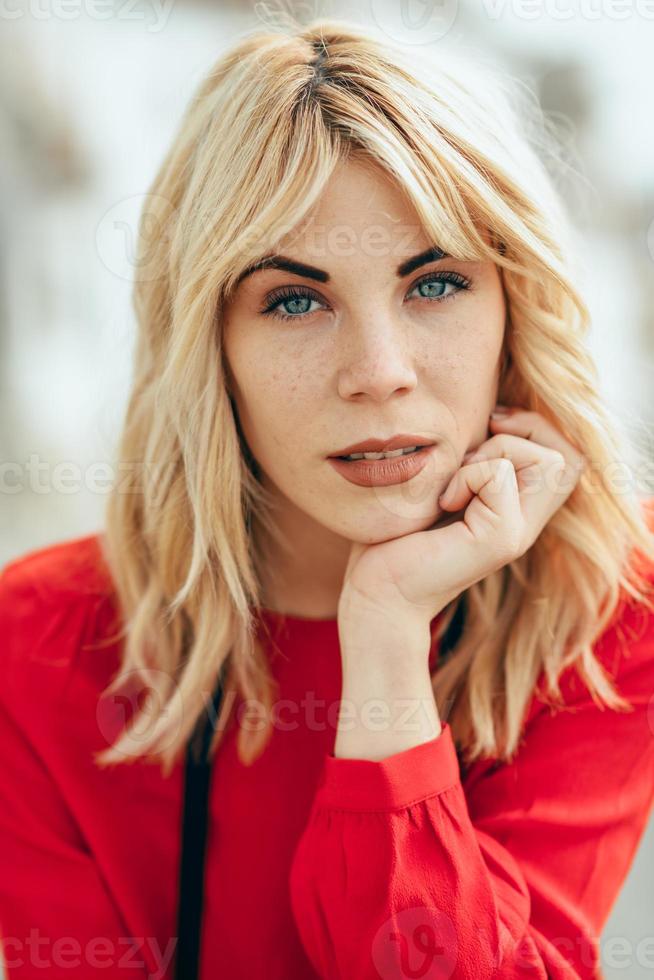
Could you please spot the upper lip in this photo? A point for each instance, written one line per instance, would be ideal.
(401, 441)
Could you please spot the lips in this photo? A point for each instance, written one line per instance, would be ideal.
(386, 471)
(372, 445)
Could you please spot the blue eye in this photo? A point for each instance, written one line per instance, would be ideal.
(299, 298)
(437, 283)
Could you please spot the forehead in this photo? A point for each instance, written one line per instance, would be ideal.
(360, 207)
(363, 219)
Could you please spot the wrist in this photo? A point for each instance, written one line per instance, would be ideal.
(387, 698)
(383, 636)
(387, 705)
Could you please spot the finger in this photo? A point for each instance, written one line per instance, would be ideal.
(534, 427)
(532, 462)
(490, 533)
(492, 484)
(540, 474)
(523, 451)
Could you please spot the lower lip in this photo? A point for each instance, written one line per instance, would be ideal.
(382, 472)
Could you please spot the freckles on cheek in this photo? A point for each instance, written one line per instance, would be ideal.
(446, 371)
(296, 375)
(281, 383)
(468, 352)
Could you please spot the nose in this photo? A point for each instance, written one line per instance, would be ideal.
(377, 359)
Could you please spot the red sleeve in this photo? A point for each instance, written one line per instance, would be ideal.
(400, 871)
(56, 916)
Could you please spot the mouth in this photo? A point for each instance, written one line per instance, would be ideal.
(390, 447)
(371, 456)
(383, 469)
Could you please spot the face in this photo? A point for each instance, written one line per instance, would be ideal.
(366, 350)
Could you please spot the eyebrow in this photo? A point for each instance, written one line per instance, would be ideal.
(432, 254)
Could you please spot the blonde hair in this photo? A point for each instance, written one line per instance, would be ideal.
(258, 142)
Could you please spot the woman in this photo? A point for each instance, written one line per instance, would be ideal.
(434, 754)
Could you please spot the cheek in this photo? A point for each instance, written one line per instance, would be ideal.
(276, 394)
(294, 370)
(462, 375)
(467, 362)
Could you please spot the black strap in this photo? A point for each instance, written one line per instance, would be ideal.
(454, 631)
(195, 821)
(197, 775)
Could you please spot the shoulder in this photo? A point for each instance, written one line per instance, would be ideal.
(49, 600)
(631, 629)
(624, 649)
(67, 568)
(633, 618)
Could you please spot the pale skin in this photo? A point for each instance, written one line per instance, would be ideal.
(373, 353)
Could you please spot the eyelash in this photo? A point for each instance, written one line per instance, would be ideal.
(295, 292)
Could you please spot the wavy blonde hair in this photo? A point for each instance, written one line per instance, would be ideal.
(257, 144)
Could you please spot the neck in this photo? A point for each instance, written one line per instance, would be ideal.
(305, 577)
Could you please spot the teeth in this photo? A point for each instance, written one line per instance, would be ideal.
(388, 455)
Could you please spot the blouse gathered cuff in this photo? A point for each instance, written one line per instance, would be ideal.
(398, 781)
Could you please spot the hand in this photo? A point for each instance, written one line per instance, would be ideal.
(506, 492)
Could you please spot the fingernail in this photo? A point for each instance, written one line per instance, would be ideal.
(469, 455)
(499, 413)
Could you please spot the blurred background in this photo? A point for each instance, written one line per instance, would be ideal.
(91, 92)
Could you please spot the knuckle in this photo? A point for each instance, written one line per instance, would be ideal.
(503, 467)
(555, 459)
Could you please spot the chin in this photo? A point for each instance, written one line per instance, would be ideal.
(365, 529)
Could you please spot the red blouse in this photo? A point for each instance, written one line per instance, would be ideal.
(317, 866)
